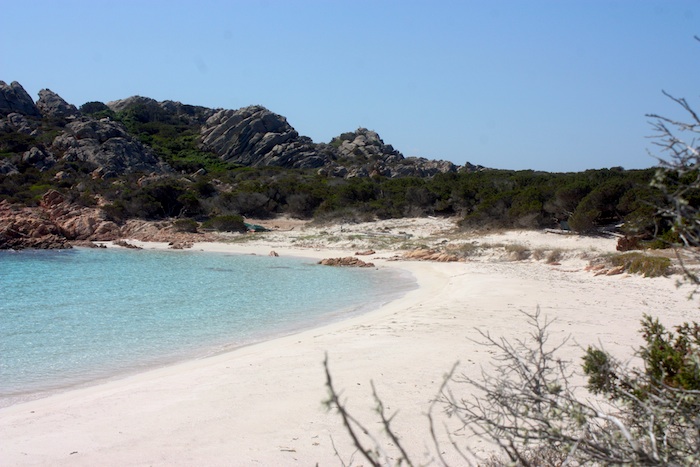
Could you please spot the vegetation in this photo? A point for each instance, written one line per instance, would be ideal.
(527, 405)
(228, 223)
(211, 186)
(639, 263)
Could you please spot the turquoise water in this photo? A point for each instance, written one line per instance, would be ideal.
(76, 316)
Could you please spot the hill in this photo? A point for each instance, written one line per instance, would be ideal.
(138, 158)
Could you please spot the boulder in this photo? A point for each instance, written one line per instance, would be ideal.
(52, 105)
(366, 154)
(7, 167)
(76, 222)
(13, 98)
(107, 145)
(39, 158)
(16, 122)
(425, 254)
(254, 136)
(28, 228)
(346, 261)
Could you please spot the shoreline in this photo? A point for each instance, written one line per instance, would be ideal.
(383, 295)
(262, 404)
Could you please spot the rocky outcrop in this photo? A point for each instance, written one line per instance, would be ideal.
(346, 261)
(53, 224)
(363, 153)
(52, 105)
(77, 222)
(13, 98)
(16, 122)
(254, 136)
(107, 145)
(424, 254)
(7, 167)
(250, 136)
(171, 111)
(28, 228)
(39, 158)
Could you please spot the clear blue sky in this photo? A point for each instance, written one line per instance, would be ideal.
(545, 85)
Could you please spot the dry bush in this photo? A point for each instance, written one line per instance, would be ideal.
(518, 252)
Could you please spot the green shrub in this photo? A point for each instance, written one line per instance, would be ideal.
(638, 263)
(226, 223)
(186, 225)
(584, 220)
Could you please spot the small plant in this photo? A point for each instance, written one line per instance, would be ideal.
(639, 263)
(554, 256)
(185, 225)
(467, 249)
(518, 252)
(226, 223)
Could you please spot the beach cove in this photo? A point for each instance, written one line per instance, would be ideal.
(263, 404)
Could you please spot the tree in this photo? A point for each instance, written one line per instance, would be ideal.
(678, 176)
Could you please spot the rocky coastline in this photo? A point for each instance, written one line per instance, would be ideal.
(58, 223)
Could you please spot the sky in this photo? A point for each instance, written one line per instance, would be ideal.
(558, 86)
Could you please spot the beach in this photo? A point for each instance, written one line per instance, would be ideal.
(263, 404)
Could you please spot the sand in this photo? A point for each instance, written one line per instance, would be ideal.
(262, 404)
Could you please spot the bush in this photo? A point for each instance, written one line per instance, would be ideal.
(528, 407)
(518, 252)
(186, 225)
(226, 223)
(638, 263)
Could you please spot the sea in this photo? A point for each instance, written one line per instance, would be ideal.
(70, 318)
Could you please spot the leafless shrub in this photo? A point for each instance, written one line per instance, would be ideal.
(518, 252)
(528, 406)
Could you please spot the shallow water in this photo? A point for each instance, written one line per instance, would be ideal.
(76, 316)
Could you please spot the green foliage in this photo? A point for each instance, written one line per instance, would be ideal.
(97, 110)
(489, 198)
(670, 360)
(185, 225)
(639, 263)
(174, 139)
(15, 143)
(226, 223)
(584, 220)
(528, 407)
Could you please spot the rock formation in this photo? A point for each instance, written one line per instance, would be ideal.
(52, 105)
(424, 254)
(13, 98)
(363, 153)
(107, 145)
(346, 261)
(77, 222)
(27, 228)
(146, 107)
(250, 136)
(254, 136)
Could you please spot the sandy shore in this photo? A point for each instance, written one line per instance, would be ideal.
(262, 404)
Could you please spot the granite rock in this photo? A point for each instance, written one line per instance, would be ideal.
(13, 98)
(52, 105)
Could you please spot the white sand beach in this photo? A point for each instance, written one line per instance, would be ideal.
(263, 404)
